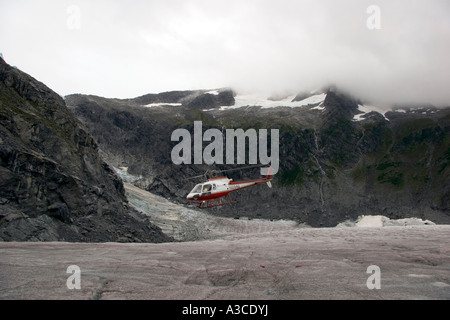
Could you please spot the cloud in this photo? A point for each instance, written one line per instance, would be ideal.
(128, 49)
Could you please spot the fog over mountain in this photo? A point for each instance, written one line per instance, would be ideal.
(123, 50)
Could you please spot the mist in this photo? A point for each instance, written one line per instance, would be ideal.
(396, 55)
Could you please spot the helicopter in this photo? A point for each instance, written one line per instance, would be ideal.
(216, 191)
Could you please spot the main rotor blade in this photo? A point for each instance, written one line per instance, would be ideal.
(213, 172)
(237, 169)
(195, 177)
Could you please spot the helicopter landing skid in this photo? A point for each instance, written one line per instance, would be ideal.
(216, 202)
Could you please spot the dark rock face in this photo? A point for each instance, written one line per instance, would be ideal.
(53, 183)
(332, 168)
(196, 99)
(209, 101)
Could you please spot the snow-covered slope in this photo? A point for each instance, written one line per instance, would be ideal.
(365, 109)
(161, 104)
(254, 100)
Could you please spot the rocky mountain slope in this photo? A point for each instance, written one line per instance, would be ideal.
(53, 183)
(339, 157)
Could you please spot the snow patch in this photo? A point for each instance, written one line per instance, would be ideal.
(379, 221)
(319, 107)
(315, 99)
(370, 222)
(122, 172)
(161, 104)
(249, 100)
(213, 92)
(365, 109)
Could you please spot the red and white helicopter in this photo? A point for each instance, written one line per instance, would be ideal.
(216, 191)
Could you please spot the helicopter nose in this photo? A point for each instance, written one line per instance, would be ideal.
(190, 196)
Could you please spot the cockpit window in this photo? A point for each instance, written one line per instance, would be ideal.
(197, 189)
(206, 187)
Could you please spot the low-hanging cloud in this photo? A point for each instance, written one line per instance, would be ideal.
(119, 49)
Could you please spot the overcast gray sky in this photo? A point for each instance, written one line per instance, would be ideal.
(129, 48)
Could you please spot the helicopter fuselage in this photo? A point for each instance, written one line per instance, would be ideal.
(220, 187)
